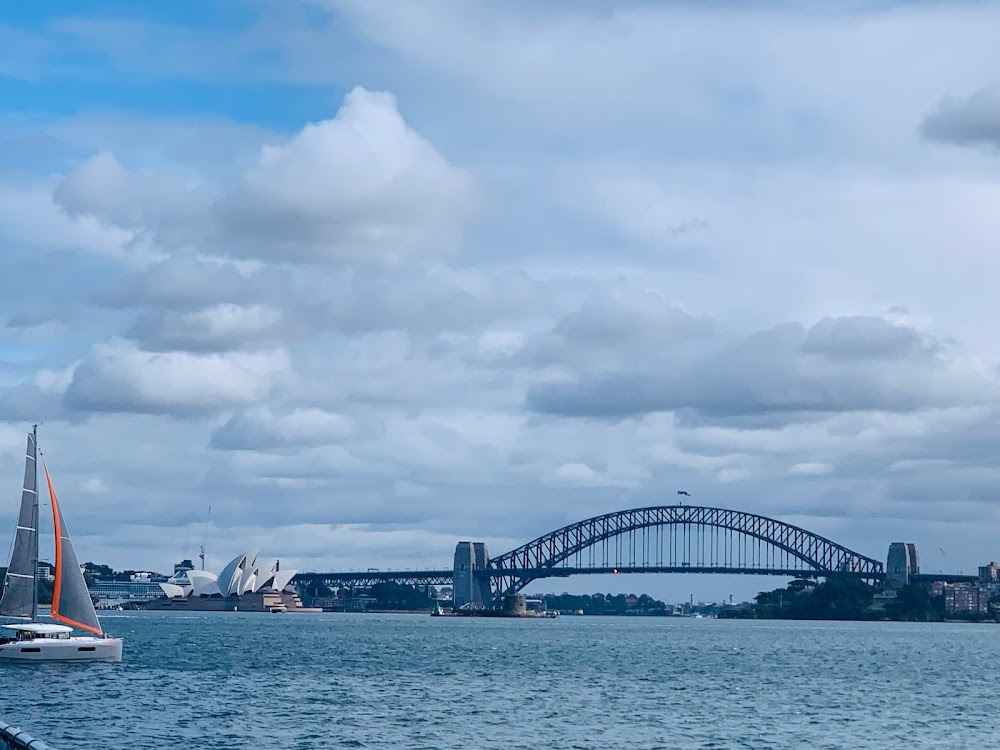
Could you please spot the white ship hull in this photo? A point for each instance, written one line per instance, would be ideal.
(77, 648)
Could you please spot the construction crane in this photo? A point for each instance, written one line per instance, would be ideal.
(204, 540)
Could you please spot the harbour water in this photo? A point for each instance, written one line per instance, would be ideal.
(218, 680)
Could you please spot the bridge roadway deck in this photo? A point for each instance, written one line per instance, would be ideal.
(366, 578)
(563, 572)
(946, 577)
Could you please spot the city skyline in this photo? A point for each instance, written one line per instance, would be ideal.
(371, 280)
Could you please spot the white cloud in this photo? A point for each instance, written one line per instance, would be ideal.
(54, 382)
(362, 184)
(116, 377)
(31, 218)
(576, 473)
(733, 474)
(94, 486)
(809, 469)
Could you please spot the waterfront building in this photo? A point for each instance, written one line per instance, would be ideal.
(989, 574)
(46, 571)
(961, 598)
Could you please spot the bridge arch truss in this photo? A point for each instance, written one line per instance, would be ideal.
(678, 538)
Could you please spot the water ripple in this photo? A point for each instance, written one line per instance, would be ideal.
(218, 680)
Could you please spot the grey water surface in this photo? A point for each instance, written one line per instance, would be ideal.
(309, 681)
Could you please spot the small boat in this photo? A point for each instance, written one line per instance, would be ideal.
(71, 602)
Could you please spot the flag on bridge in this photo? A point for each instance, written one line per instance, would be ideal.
(683, 492)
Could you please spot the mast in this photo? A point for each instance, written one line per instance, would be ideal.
(34, 509)
(20, 593)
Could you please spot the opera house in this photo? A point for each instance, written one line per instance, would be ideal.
(243, 585)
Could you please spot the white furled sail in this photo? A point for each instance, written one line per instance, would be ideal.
(71, 602)
(20, 596)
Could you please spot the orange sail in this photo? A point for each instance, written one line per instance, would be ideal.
(71, 603)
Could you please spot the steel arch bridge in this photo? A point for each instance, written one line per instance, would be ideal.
(677, 539)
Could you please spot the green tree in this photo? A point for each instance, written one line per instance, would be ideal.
(833, 599)
(914, 602)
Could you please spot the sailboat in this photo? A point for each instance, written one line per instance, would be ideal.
(71, 602)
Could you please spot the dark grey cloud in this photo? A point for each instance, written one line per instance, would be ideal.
(182, 281)
(642, 319)
(191, 304)
(609, 327)
(26, 403)
(973, 120)
(59, 314)
(838, 365)
(865, 337)
(265, 430)
(162, 205)
(219, 328)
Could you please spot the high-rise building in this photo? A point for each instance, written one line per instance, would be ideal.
(989, 573)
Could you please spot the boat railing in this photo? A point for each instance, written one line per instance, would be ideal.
(15, 738)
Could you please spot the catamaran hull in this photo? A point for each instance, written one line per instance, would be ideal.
(63, 649)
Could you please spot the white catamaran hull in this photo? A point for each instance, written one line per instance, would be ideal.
(77, 648)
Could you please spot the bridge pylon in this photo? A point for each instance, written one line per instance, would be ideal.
(471, 587)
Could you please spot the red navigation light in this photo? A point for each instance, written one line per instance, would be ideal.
(615, 571)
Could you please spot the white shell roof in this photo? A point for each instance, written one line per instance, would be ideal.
(240, 576)
(239, 568)
(40, 627)
(282, 578)
(204, 583)
(172, 590)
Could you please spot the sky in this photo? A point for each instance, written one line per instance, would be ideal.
(372, 278)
